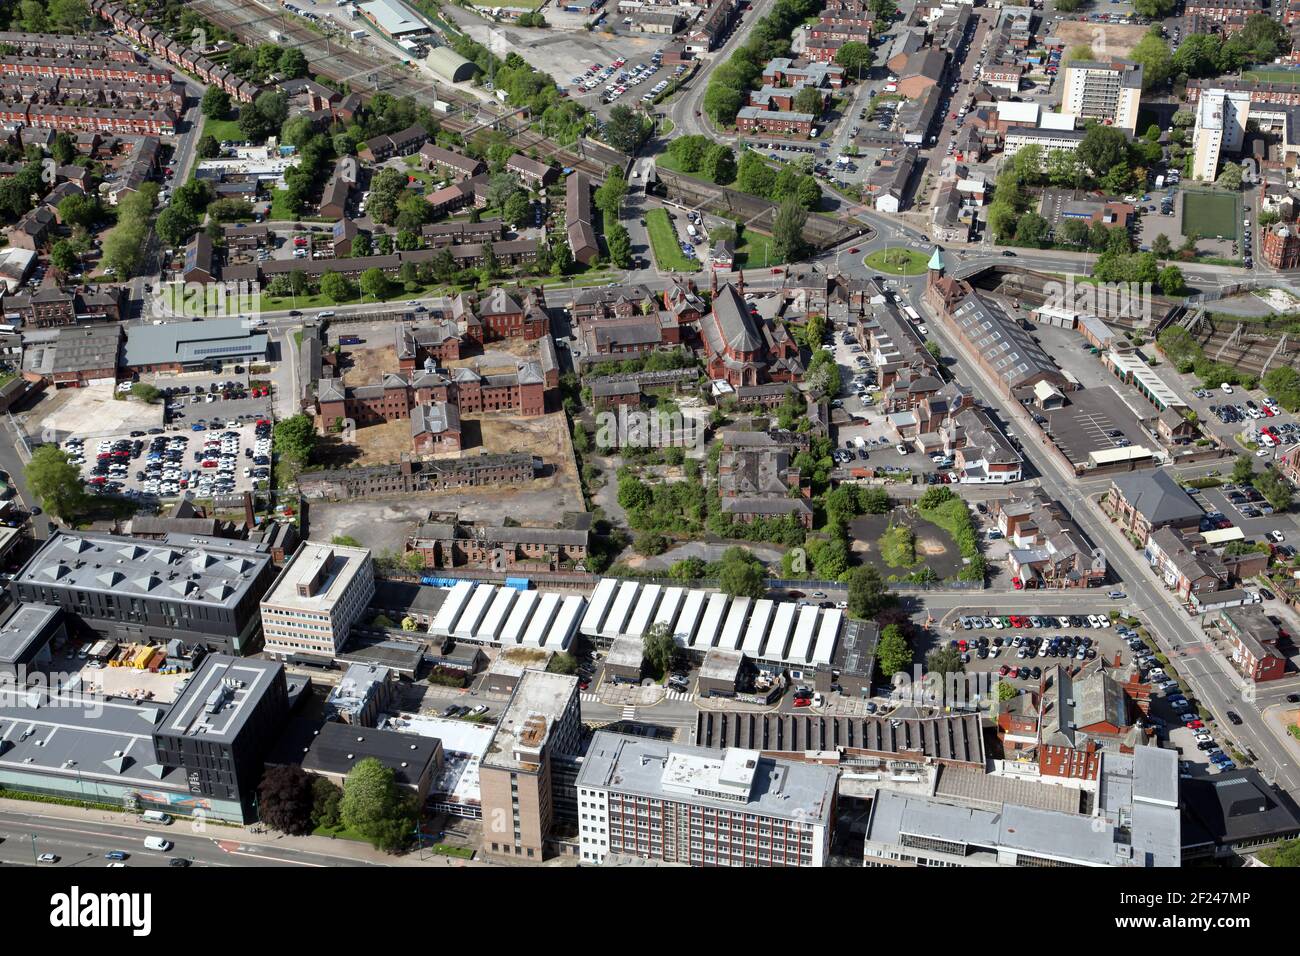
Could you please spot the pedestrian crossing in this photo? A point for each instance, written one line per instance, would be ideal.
(629, 713)
(679, 695)
(589, 698)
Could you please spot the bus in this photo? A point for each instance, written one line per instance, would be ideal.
(8, 329)
(911, 313)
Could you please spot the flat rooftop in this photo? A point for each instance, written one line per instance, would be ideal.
(537, 695)
(752, 783)
(21, 629)
(317, 577)
(219, 698)
(64, 733)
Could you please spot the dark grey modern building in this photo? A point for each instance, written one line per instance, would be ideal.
(203, 590)
(221, 727)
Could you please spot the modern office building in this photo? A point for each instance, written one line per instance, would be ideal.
(220, 728)
(1110, 92)
(527, 776)
(309, 611)
(1220, 128)
(679, 804)
(202, 589)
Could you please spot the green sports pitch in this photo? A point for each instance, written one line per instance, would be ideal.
(1212, 214)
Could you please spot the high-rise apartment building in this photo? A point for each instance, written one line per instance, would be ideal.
(526, 778)
(313, 604)
(1110, 92)
(1220, 128)
(680, 804)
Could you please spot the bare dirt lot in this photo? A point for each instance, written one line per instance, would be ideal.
(1108, 40)
(368, 366)
(548, 438)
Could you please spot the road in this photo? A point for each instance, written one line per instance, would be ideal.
(82, 841)
(686, 110)
(1210, 675)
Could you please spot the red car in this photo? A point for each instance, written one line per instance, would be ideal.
(961, 645)
(854, 250)
(802, 701)
(777, 272)
(1196, 724)
(1004, 670)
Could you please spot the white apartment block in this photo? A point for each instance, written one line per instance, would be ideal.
(1110, 92)
(700, 807)
(313, 604)
(1220, 128)
(1018, 137)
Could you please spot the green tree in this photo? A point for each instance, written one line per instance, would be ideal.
(295, 438)
(893, 652)
(855, 57)
(292, 63)
(56, 482)
(787, 231)
(808, 100)
(335, 287)
(741, 575)
(326, 798)
(626, 130)
(1275, 489)
(620, 245)
(375, 807)
(1243, 470)
(868, 593)
(1152, 52)
(1171, 281)
(609, 195)
(658, 647)
(515, 209)
(1161, 247)
(64, 257)
(1230, 176)
(944, 660)
(375, 284)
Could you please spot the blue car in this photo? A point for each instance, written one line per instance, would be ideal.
(198, 428)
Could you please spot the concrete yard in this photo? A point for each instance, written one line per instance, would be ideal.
(91, 412)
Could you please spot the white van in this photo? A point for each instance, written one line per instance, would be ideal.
(156, 816)
(157, 843)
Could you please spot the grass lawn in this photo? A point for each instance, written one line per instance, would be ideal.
(446, 849)
(756, 249)
(339, 832)
(1211, 214)
(898, 261)
(663, 240)
(222, 130)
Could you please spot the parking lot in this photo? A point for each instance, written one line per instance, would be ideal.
(206, 398)
(143, 466)
(1239, 413)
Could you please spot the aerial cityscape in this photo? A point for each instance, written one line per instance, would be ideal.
(596, 434)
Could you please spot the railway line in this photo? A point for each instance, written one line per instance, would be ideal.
(331, 58)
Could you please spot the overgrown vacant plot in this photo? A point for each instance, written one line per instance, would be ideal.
(1212, 214)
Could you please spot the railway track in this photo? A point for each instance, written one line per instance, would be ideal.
(1247, 350)
(364, 75)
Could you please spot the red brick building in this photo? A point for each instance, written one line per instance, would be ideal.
(502, 315)
(1280, 247)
